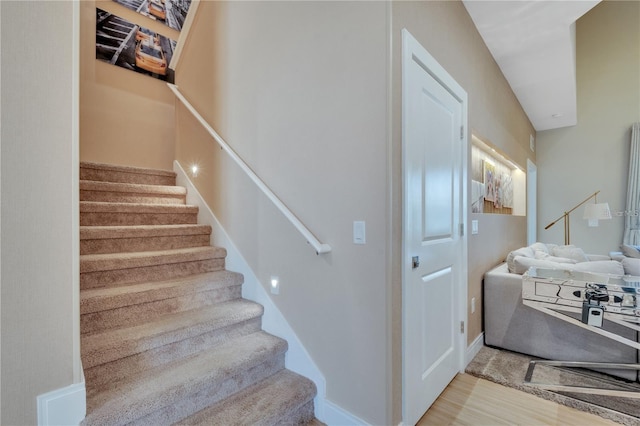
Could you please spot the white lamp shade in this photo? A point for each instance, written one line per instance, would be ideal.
(595, 212)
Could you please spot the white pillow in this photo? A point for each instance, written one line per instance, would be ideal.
(571, 252)
(630, 251)
(546, 256)
(524, 251)
(523, 263)
(631, 266)
(539, 247)
(612, 267)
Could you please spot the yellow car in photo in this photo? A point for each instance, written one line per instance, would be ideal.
(157, 9)
(150, 57)
(144, 34)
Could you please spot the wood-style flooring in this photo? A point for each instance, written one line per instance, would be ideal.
(469, 400)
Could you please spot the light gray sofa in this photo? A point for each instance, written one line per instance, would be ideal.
(511, 325)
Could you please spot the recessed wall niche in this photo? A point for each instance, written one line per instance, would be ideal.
(498, 185)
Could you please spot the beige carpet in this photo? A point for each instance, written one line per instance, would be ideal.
(166, 337)
(509, 369)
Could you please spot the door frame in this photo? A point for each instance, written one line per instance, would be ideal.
(532, 202)
(411, 49)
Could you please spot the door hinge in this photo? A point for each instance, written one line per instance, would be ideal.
(461, 132)
(462, 229)
(461, 327)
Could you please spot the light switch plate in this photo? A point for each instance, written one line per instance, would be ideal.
(474, 227)
(359, 232)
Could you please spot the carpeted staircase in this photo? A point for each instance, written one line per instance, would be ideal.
(166, 335)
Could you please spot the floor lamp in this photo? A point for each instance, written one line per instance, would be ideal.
(593, 213)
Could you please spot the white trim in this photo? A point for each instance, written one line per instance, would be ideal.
(297, 358)
(474, 348)
(64, 406)
(184, 34)
(532, 201)
(335, 415)
(78, 374)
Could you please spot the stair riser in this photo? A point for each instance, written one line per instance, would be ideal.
(130, 245)
(125, 177)
(149, 273)
(91, 302)
(126, 219)
(103, 374)
(211, 394)
(131, 315)
(121, 197)
(301, 416)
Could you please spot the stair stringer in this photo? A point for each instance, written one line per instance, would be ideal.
(297, 359)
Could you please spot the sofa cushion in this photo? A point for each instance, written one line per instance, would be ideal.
(546, 256)
(630, 251)
(524, 251)
(631, 266)
(612, 267)
(572, 252)
(521, 264)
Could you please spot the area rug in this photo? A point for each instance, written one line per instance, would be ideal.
(509, 369)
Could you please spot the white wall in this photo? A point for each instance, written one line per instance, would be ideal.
(40, 339)
(576, 161)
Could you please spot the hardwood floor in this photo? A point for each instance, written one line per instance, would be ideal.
(469, 400)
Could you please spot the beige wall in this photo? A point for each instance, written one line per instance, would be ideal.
(39, 205)
(298, 90)
(576, 161)
(126, 118)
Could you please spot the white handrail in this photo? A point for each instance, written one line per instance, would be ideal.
(311, 239)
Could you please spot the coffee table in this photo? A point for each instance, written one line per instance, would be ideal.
(598, 298)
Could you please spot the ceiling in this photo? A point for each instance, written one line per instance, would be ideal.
(533, 42)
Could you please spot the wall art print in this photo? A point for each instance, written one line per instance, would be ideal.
(170, 12)
(498, 186)
(489, 173)
(130, 46)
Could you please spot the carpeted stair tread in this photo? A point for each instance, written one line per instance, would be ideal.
(141, 231)
(108, 207)
(99, 348)
(101, 299)
(128, 174)
(268, 402)
(98, 213)
(135, 188)
(131, 192)
(120, 239)
(117, 261)
(152, 390)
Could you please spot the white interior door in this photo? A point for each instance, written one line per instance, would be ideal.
(434, 264)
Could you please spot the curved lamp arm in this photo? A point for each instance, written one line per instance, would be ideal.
(565, 216)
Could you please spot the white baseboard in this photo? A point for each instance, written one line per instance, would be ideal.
(297, 358)
(65, 406)
(474, 348)
(335, 415)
